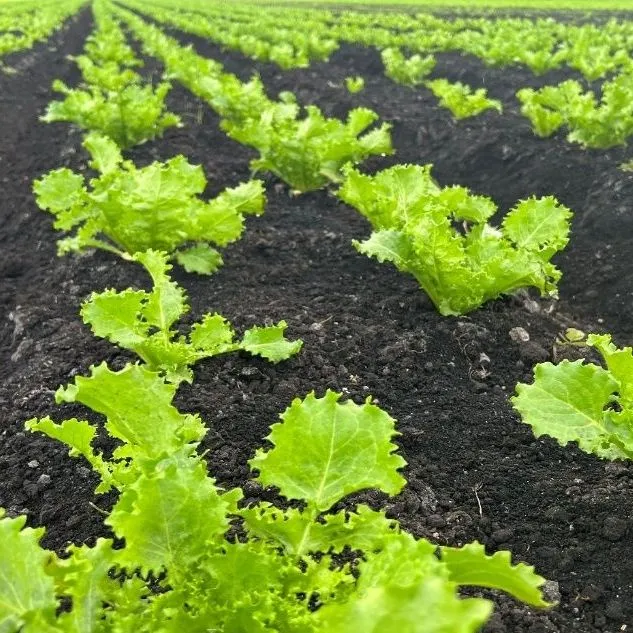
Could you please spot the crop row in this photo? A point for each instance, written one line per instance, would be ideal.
(189, 555)
(408, 45)
(26, 23)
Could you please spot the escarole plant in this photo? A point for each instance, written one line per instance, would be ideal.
(581, 402)
(308, 152)
(460, 99)
(113, 99)
(127, 210)
(408, 71)
(144, 323)
(441, 236)
(178, 565)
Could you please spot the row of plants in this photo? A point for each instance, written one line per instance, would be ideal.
(191, 556)
(542, 44)
(24, 24)
(595, 119)
(171, 572)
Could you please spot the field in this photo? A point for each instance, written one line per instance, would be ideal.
(474, 470)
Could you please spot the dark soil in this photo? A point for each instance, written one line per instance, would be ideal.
(475, 472)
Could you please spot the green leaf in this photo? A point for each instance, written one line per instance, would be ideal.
(388, 246)
(137, 404)
(167, 301)
(247, 198)
(170, 518)
(323, 451)
(535, 224)
(469, 565)
(201, 259)
(116, 316)
(569, 403)
(59, 190)
(213, 334)
(299, 534)
(269, 342)
(619, 363)
(105, 153)
(27, 592)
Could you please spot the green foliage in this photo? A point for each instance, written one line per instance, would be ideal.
(174, 568)
(354, 84)
(590, 122)
(144, 323)
(584, 403)
(129, 116)
(309, 152)
(461, 100)
(460, 267)
(127, 210)
(113, 100)
(411, 71)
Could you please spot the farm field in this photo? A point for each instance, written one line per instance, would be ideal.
(474, 470)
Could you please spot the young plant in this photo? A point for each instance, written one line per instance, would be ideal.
(144, 323)
(175, 569)
(130, 115)
(411, 71)
(113, 99)
(442, 238)
(461, 100)
(354, 84)
(127, 210)
(584, 403)
(309, 152)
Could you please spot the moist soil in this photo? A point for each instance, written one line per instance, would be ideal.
(474, 470)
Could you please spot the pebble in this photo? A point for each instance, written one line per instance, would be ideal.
(33, 463)
(519, 335)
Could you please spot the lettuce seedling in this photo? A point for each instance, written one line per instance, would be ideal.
(584, 403)
(127, 210)
(461, 100)
(144, 323)
(441, 236)
(132, 115)
(354, 84)
(411, 71)
(174, 569)
(113, 99)
(309, 152)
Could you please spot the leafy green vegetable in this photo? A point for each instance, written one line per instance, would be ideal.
(113, 100)
(414, 226)
(411, 71)
(127, 210)
(144, 323)
(584, 403)
(591, 121)
(309, 152)
(174, 568)
(461, 100)
(354, 84)
(130, 116)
